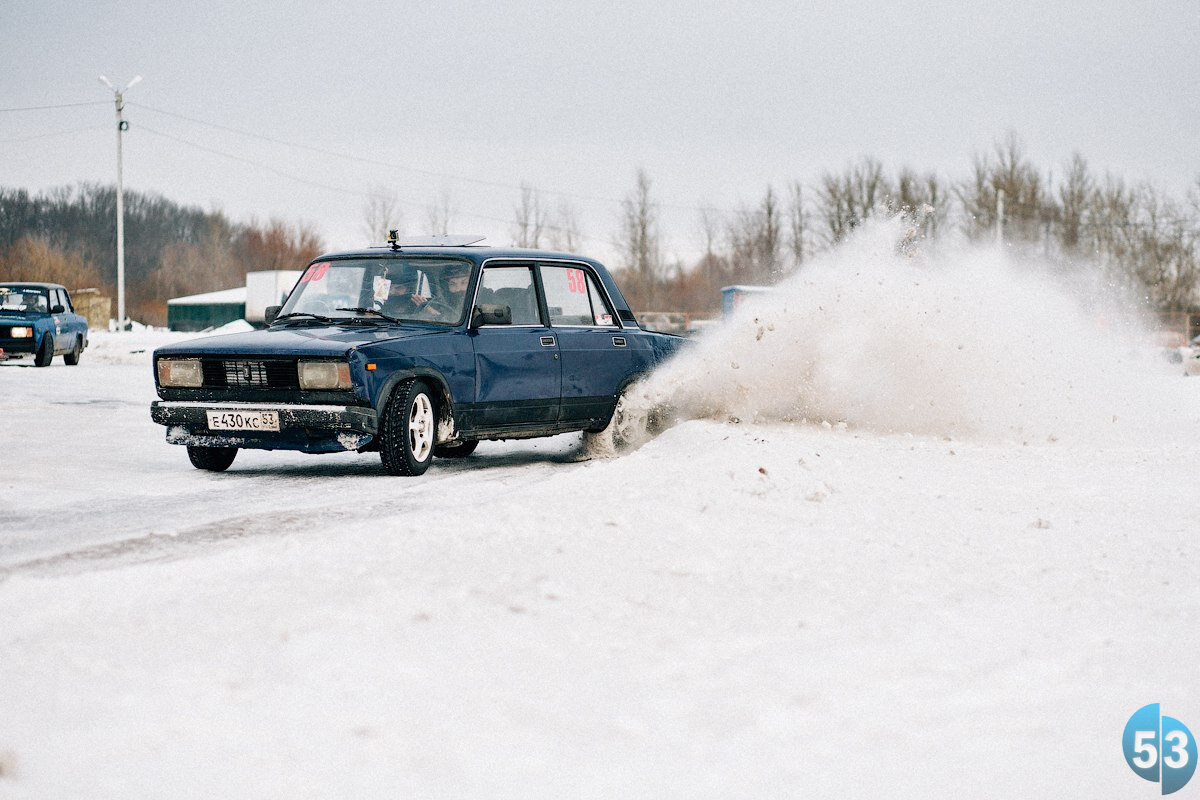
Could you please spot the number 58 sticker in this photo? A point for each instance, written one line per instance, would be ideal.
(1159, 748)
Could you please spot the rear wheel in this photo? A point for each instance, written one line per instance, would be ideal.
(408, 429)
(630, 426)
(72, 358)
(456, 450)
(213, 459)
(45, 353)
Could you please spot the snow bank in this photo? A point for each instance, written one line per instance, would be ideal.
(134, 346)
(961, 341)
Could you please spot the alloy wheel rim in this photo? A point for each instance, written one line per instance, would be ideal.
(420, 427)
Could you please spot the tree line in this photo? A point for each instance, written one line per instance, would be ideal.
(1143, 239)
(68, 235)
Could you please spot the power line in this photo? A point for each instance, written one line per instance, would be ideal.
(61, 105)
(417, 170)
(342, 189)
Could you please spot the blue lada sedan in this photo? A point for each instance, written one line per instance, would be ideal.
(413, 351)
(38, 319)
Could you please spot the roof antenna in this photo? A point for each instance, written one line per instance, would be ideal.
(394, 238)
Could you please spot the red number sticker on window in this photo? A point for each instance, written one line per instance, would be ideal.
(315, 272)
(576, 282)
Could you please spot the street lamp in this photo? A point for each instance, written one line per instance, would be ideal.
(119, 97)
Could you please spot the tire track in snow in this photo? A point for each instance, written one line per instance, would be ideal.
(483, 480)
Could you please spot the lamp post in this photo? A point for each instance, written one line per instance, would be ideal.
(119, 97)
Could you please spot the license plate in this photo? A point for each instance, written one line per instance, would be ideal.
(243, 420)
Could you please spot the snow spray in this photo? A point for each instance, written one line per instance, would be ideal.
(894, 335)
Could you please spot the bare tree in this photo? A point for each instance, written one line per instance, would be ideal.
(797, 225)
(1166, 257)
(640, 249)
(713, 265)
(440, 213)
(1025, 203)
(33, 258)
(755, 238)
(529, 219)
(922, 199)
(381, 214)
(277, 245)
(1074, 199)
(564, 231)
(846, 200)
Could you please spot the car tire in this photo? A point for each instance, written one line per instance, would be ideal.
(45, 353)
(213, 459)
(629, 427)
(72, 358)
(457, 449)
(408, 430)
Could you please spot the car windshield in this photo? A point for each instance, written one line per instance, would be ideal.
(409, 289)
(23, 298)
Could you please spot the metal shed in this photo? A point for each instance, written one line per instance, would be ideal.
(209, 310)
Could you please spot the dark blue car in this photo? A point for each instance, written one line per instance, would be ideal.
(38, 319)
(414, 351)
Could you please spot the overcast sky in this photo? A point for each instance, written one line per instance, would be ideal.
(467, 100)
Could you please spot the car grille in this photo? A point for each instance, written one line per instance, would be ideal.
(250, 373)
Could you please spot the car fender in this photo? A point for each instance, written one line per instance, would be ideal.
(40, 331)
(445, 400)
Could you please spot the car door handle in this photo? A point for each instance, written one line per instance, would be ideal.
(618, 341)
(547, 341)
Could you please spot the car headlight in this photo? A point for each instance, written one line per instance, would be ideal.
(22, 333)
(180, 372)
(324, 375)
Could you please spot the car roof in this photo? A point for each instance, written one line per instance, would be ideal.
(476, 254)
(31, 285)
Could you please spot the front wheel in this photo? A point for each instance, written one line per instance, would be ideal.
(408, 430)
(213, 459)
(45, 353)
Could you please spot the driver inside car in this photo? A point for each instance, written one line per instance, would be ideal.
(449, 306)
(403, 298)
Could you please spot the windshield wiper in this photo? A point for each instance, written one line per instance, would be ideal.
(373, 312)
(296, 314)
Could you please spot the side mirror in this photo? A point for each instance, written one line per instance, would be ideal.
(491, 314)
(57, 310)
(271, 313)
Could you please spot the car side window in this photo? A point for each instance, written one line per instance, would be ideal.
(573, 298)
(512, 287)
(65, 299)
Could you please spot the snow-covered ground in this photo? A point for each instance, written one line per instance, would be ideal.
(927, 560)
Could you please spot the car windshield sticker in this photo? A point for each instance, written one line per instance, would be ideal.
(604, 319)
(315, 272)
(380, 288)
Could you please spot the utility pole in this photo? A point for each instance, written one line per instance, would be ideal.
(122, 125)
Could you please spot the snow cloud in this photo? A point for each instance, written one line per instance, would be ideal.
(896, 335)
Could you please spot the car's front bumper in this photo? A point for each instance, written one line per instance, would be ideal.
(309, 428)
(13, 348)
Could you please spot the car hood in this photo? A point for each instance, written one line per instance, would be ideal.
(11, 318)
(315, 340)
